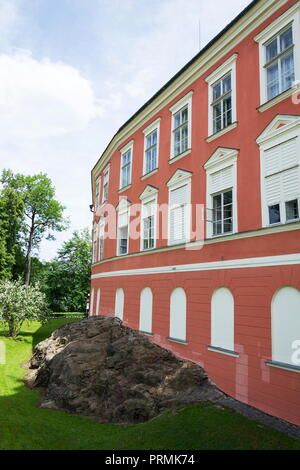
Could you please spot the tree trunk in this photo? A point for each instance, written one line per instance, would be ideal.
(28, 255)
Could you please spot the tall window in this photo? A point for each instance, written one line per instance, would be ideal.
(180, 131)
(222, 98)
(148, 222)
(101, 240)
(221, 197)
(222, 319)
(280, 170)
(285, 324)
(105, 185)
(181, 140)
(222, 213)
(179, 207)
(97, 193)
(279, 63)
(123, 227)
(178, 315)
(146, 301)
(279, 49)
(151, 151)
(222, 103)
(119, 303)
(95, 243)
(126, 163)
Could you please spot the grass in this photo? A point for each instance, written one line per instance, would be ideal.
(200, 426)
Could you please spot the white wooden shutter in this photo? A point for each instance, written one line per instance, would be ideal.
(178, 214)
(222, 179)
(281, 157)
(290, 184)
(273, 189)
(123, 219)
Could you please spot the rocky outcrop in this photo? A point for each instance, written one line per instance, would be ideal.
(99, 368)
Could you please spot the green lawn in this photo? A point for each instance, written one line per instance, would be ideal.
(202, 426)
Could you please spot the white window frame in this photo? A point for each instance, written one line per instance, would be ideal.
(276, 134)
(105, 174)
(291, 16)
(222, 158)
(128, 147)
(179, 179)
(154, 126)
(150, 194)
(97, 192)
(101, 234)
(227, 67)
(123, 208)
(95, 241)
(182, 103)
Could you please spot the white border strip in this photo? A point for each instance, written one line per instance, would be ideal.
(260, 262)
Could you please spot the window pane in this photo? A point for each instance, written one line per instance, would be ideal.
(217, 228)
(226, 84)
(217, 111)
(292, 210)
(274, 214)
(217, 91)
(227, 108)
(176, 120)
(286, 39)
(287, 71)
(227, 225)
(148, 141)
(184, 136)
(177, 142)
(184, 115)
(271, 50)
(228, 197)
(272, 81)
(154, 137)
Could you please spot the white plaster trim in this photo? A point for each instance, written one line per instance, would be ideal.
(258, 262)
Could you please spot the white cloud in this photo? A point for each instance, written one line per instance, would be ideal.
(43, 98)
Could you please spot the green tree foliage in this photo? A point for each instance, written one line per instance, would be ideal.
(43, 214)
(66, 279)
(19, 303)
(11, 223)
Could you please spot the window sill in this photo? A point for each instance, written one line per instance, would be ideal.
(147, 175)
(121, 190)
(277, 99)
(146, 333)
(227, 352)
(178, 157)
(283, 365)
(122, 254)
(176, 340)
(287, 222)
(221, 132)
(220, 235)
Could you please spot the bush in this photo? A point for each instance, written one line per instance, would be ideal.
(19, 303)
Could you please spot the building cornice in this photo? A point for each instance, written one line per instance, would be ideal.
(251, 18)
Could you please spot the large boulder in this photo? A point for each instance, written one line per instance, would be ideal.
(99, 368)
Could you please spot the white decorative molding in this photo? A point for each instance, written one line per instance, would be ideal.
(244, 263)
(180, 176)
(149, 192)
(220, 157)
(280, 125)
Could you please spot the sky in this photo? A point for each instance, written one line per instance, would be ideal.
(73, 71)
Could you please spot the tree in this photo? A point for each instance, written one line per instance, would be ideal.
(18, 303)
(66, 279)
(43, 214)
(11, 216)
